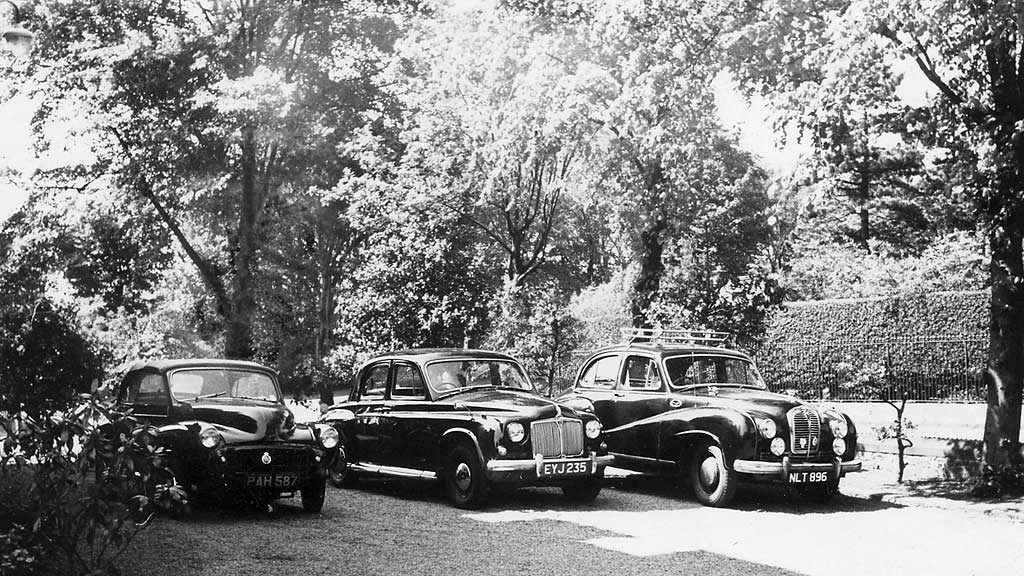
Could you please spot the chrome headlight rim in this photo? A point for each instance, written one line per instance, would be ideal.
(593, 429)
(837, 424)
(516, 432)
(766, 427)
(210, 437)
(328, 436)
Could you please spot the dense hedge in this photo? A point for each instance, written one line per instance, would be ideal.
(929, 346)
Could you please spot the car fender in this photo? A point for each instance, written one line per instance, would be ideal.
(732, 430)
(452, 436)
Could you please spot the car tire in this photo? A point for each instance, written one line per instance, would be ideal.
(313, 495)
(465, 483)
(713, 483)
(820, 493)
(341, 475)
(585, 489)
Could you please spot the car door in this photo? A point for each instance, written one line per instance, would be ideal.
(371, 384)
(147, 396)
(640, 394)
(597, 384)
(406, 439)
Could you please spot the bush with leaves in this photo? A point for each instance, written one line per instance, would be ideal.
(95, 477)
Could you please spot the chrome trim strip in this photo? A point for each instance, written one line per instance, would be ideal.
(393, 471)
(786, 466)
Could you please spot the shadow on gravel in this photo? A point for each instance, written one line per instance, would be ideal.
(753, 497)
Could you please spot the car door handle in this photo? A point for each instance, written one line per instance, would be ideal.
(384, 409)
(619, 394)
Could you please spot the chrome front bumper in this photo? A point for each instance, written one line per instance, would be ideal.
(499, 469)
(782, 469)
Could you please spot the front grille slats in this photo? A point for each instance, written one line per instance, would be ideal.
(805, 431)
(557, 437)
(250, 459)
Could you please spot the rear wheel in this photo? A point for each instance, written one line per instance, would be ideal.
(464, 481)
(713, 483)
(584, 489)
(313, 495)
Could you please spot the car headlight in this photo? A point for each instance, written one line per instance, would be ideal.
(778, 446)
(839, 446)
(766, 427)
(328, 437)
(837, 422)
(515, 432)
(593, 429)
(210, 437)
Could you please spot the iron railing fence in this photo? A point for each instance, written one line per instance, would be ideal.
(946, 369)
(926, 369)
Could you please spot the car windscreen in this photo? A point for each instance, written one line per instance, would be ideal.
(198, 383)
(450, 375)
(693, 370)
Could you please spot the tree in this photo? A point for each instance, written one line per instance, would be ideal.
(214, 115)
(849, 53)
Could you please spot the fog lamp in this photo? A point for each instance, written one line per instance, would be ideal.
(839, 446)
(778, 446)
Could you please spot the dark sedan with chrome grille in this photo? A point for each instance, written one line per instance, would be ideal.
(469, 418)
(226, 431)
(679, 402)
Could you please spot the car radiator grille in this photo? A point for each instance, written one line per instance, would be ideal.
(283, 459)
(557, 437)
(805, 431)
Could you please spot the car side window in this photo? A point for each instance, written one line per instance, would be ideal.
(642, 373)
(601, 373)
(408, 382)
(146, 389)
(373, 381)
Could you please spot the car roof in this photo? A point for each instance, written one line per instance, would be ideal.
(670, 349)
(425, 355)
(164, 365)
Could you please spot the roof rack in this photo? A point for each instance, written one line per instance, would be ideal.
(697, 337)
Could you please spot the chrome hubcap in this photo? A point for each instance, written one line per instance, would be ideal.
(463, 476)
(709, 472)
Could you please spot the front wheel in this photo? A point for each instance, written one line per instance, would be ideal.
(464, 481)
(313, 495)
(714, 484)
(584, 489)
(341, 474)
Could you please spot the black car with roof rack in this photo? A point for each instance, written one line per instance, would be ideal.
(680, 402)
(226, 432)
(469, 418)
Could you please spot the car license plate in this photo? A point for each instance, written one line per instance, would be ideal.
(808, 477)
(564, 468)
(266, 480)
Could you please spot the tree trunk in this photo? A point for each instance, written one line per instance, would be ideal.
(1006, 351)
(648, 280)
(238, 340)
